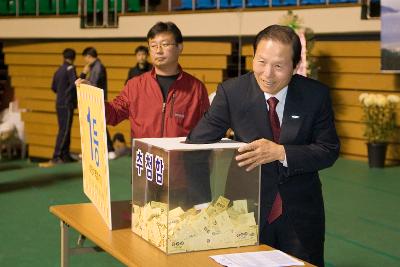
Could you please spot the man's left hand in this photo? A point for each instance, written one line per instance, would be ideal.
(259, 152)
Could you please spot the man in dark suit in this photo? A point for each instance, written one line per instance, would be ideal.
(64, 87)
(287, 121)
(97, 77)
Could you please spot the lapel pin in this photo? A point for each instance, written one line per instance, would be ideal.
(295, 116)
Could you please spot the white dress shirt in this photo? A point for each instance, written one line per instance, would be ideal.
(280, 107)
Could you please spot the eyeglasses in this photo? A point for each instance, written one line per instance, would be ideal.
(155, 47)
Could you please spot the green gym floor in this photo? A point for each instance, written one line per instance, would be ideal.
(362, 213)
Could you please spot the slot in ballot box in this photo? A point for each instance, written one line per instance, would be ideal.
(191, 197)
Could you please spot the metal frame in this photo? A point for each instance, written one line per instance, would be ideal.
(66, 251)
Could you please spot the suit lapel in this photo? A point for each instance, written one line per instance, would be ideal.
(292, 114)
(257, 111)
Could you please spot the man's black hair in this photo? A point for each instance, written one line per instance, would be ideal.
(120, 137)
(142, 48)
(283, 34)
(91, 51)
(161, 27)
(69, 53)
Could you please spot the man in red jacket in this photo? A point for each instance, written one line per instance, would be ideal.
(163, 102)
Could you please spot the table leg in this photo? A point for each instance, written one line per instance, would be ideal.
(67, 251)
(81, 240)
(64, 244)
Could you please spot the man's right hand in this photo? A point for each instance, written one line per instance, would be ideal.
(80, 81)
(260, 152)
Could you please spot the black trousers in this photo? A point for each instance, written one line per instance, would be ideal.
(281, 235)
(110, 146)
(63, 141)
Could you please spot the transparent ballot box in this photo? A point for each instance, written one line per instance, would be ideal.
(190, 197)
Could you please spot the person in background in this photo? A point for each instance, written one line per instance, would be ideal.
(163, 102)
(66, 101)
(95, 72)
(142, 65)
(120, 146)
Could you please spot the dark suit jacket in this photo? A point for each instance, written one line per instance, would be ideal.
(308, 134)
(98, 76)
(136, 71)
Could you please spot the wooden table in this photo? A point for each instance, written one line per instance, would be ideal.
(123, 244)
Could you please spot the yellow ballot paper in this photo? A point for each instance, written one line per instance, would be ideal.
(96, 182)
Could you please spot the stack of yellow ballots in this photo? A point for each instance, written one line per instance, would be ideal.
(220, 224)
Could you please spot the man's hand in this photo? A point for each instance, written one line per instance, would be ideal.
(80, 81)
(259, 152)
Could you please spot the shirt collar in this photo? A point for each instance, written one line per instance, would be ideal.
(281, 95)
(154, 75)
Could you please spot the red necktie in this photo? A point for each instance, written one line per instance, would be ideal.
(276, 210)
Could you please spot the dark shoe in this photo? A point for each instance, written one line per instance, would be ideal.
(68, 159)
(57, 161)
